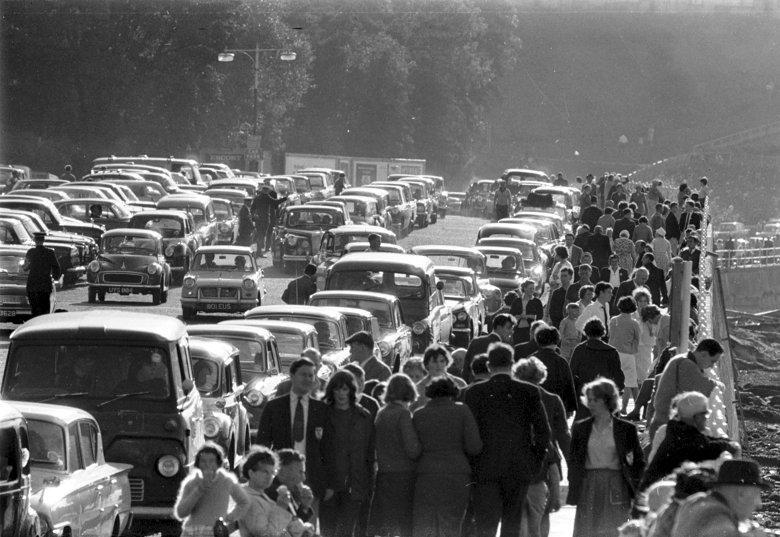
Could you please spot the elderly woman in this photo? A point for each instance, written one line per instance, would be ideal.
(543, 496)
(397, 447)
(348, 451)
(605, 464)
(624, 335)
(526, 310)
(623, 247)
(436, 361)
(449, 436)
(662, 249)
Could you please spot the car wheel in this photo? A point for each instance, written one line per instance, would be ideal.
(278, 263)
(163, 295)
(101, 295)
(259, 298)
(187, 313)
(156, 296)
(434, 217)
(91, 295)
(232, 454)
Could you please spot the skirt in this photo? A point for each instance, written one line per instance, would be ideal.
(644, 361)
(605, 504)
(628, 365)
(393, 504)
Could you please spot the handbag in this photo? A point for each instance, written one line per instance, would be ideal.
(220, 528)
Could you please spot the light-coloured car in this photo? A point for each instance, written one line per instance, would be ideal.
(334, 241)
(74, 490)
(462, 295)
(222, 279)
(14, 304)
(505, 267)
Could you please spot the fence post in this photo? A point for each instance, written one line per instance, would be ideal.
(680, 304)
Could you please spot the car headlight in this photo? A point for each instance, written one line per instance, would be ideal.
(154, 268)
(169, 251)
(211, 427)
(292, 240)
(419, 328)
(462, 316)
(168, 465)
(479, 198)
(189, 281)
(253, 397)
(384, 347)
(305, 244)
(94, 266)
(248, 284)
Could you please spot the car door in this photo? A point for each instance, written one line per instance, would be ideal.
(441, 314)
(232, 395)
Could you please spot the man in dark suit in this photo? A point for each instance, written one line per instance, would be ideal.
(300, 289)
(43, 267)
(559, 380)
(625, 223)
(503, 329)
(557, 306)
(573, 293)
(515, 434)
(292, 475)
(298, 421)
(591, 214)
(656, 281)
(524, 350)
(613, 274)
(627, 288)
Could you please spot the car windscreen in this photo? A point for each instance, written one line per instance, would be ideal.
(284, 187)
(11, 264)
(301, 184)
(505, 263)
(444, 260)
(308, 218)
(147, 192)
(101, 371)
(381, 310)
(47, 444)
(168, 227)
(129, 244)
(218, 262)
(223, 211)
(410, 289)
(454, 288)
(290, 348)
(206, 377)
(250, 354)
(13, 234)
(316, 181)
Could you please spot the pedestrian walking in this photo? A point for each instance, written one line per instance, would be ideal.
(502, 202)
(623, 247)
(526, 310)
(449, 436)
(624, 335)
(436, 361)
(558, 379)
(662, 249)
(503, 329)
(263, 209)
(300, 289)
(605, 464)
(68, 174)
(600, 247)
(245, 228)
(43, 268)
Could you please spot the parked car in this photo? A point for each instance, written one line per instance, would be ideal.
(395, 338)
(222, 279)
(455, 201)
(559, 222)
(505, 267)
(479, 198)
(520, 230)
(321, 184)
(13, 232)
(462, 295)
(459, 256)
(518, 175)
(24, 184)
(385, 247)
(409, 277)
(569, 197)
(227, 220)
(298, 233)
(81, 191)
(441, 194)
(148, 193)
(403, 207)
(258, 355)
(547, 234)
(535, 260)
(219, 169)
(738, 230)
(331, 328)
(285, 187)
(47, 194)
(235, 197)
(424, 195)
(177, 229)
(247, 186)
(74, 490)
(52, 217)
(382, 198)
(106, 213)
(202, 210)
(334, 241)
(14, 305)
(133, 373)
(303, 187)
(292, 338)
(185, 168)
(19, 519)
(361, 209)
(217, 373)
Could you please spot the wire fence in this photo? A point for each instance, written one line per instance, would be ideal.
(748, 258)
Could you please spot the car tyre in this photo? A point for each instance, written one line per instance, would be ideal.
(163, 295)
(156, 296)
(259, 298)
(101, 296)
(187, 313)
(91, 295)
(434, 217)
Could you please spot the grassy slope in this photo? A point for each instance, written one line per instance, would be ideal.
(597, 76)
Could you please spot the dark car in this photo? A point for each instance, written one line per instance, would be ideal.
(178, 234)
(297, 235)
(106, 213)
(52, 217)
(131, 261)
(202, 210)
(479, 198)
(133, 373)
(19, 519)
(334, 242)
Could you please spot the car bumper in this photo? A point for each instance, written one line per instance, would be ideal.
(296, 258)
(134, 288)
(76, 271)
(152, 513)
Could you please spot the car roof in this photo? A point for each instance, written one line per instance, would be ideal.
(76, 201)
(351, 312)
(9, 412)
(14, 249)
(307, 311)
(270, 325)
(211, 349)
(383, 248)
(388, 261)
(455, 271)
(183, 201)
(507, 227)
(221, 329)
(435, 249)
(524, 170)
(357, 228)
(356, 295)
(313, 206)
(365, 189)
(233, 181)
(60, 414)
(132, 231)
(37, 201)
(224, 249)
(353, 197)
(499, 250)
(516, 240)
(101, 324)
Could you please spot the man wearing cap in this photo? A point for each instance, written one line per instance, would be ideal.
(361, 351)
(68, 175)
(686, 440)
(735, 496)
(43, 267)
(300, 289)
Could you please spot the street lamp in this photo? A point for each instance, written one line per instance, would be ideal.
(229, 55)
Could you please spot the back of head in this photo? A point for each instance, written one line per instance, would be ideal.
(711, 346)
(500, 356)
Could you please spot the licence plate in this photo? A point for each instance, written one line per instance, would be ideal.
(7, 313)
(120, 290)
(220, 307)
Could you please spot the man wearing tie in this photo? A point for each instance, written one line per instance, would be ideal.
(297, 421)
(598, 308)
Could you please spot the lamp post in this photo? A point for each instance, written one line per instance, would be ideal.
(229, 54)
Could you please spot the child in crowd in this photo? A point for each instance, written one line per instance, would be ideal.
(570, 336)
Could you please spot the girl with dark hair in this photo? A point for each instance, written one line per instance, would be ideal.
(624, 335)
(349, 456)
(436, 360)
(449, 436)
(561, 259)
(204, 495)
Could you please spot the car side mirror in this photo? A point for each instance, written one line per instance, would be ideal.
(187, 386)
(439, 285)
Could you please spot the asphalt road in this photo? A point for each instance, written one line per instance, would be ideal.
(452, 230)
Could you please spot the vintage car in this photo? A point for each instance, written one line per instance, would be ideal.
(19, 519)
(147, 192)
(13, 232)
(359, 320)
(228, 220)
(520, 230)
(80, 192)
(52, 217)
(547, 235)
(177, 229)
(258, 354)
(569, 197)
(14, 306)
(235, 197)
(403, 207)
(505, 267)
(73, 251)
(361, 209)
(219, 169)
(116, 192)
(560, 224)
(455, 201)
(425, 197)
(331, 328)
(535, 260)
(479, 198)
(106, 213)
(131, 261)
(462, 295)
(441, 193)
(133, 373)
(37, 184)
(202, 210)
(321, 184)
(74, 490)
(395, 338)
(217, 373)
(385, 247)
(222, 279)
(298, 233)
(247, 186)
(518, 175)
(291, 338)
(184, 168)
(383, 206)
(285, 187)
(738, 230)
(334, 241)
(409, 277)
(303, 187)
(471, 258)
(47, 194)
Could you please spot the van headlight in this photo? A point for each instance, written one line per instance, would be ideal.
(168, 465)
(94, 266)
(211, 427)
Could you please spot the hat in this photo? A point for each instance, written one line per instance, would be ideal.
(361, 337)
(39, 235)
(624, 234)
(691, 403)
(266, 186)
(741, 472)
(693, 236)
(661, 232)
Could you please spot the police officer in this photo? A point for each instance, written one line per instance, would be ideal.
(43, 267)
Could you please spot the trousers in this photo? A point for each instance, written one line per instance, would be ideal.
(40, 302)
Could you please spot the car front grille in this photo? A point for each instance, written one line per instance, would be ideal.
(122, 277)
(136, 490)
(219, 292)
